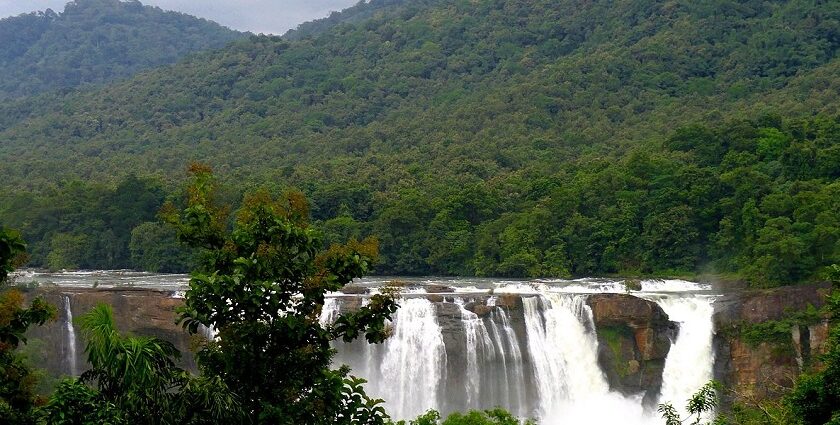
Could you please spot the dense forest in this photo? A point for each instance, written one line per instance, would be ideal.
(96, 41)
(543, 138)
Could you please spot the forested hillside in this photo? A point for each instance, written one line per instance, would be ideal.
(96, 41)
(504, 137)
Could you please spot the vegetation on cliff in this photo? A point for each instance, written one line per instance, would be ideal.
(94, 42)
(816, 397)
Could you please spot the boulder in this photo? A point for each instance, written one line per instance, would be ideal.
(634, 338)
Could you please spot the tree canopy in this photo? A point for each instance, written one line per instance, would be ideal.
(96, 41)
(498, 138)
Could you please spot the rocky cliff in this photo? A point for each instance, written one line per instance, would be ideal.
(136, 311)
(634, 338)
(763, 341)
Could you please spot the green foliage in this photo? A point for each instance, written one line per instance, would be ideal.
(544, 138)
(816, 397)
(91, 226)
(261, 282)
(137, 374)
(777, 332)
(12, 247)
(487, 417)
(18, 382)
(96, 41)
(135, 380)
(154, 247)
(704, 401)
(74, 403)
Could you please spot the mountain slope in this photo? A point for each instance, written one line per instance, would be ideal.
(439, 125)
(96, 41)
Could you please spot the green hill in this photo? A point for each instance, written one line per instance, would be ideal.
(96, 41)
(502, 137)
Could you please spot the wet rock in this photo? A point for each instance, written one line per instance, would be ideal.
(439, 289)
(353, 289)
(482, 310)
(435, 298)
(633, 284)
(509, 301)
(634, 338)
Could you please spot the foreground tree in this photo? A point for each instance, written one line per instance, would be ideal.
(261, 283)
(134, 380)
(18, 399)
(474, 417)
(702, 403)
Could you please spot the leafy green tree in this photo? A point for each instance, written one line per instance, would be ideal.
(261, 282)
(17, 381)
(703, 402)
(154, 247)
(74, 403)
(134, 380)
(475, 417)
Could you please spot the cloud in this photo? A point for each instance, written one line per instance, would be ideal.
(266, 16)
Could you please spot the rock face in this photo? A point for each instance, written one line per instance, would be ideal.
(764, 369)
(634, 334)
(139, 312)
(634, 338)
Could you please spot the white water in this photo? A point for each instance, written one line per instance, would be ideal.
(690, 362)
(543, 363)
(513, 368)
(479, 348)
(564, 353)
(547, 369)
(414, 361)
(71, 338)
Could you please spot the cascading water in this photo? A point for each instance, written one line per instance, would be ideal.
(536, 359)
(564, 354)
(512, 367)
(414, 360)
(479, 348)
(71, 338)
(690, 362)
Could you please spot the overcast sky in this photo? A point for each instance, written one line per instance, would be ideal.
(266, 16)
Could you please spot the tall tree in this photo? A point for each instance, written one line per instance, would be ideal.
(261, 283)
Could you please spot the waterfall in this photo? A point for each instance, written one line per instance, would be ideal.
(563, 349)
(329, 311)
(513, 368)
(539, 361)
(691, 359)
(479, 348)
(71, 338)
(414, 361)
(564, 354)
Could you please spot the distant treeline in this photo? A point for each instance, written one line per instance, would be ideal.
(758, 199)
(96, 41)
